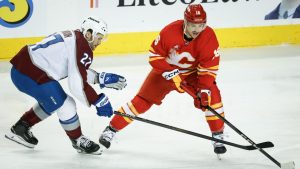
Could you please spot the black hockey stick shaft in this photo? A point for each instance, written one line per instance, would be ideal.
(187, 89)
(264, 144)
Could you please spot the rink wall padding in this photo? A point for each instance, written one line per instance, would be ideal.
(139, 42)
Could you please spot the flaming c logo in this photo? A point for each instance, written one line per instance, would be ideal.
(14, 13)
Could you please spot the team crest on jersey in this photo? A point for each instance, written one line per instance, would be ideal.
(183, 60)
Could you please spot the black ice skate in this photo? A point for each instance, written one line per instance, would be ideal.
(20, 133)
(86, 146)
(107, 136)
(219, 148)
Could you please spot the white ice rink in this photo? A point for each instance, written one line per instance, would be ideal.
(261, 94)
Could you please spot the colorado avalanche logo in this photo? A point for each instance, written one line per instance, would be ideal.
(14, 13)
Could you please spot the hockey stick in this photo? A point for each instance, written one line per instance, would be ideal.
(261, 145)
(288, 165)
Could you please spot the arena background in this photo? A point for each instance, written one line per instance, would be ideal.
(259, 80)
(133, 24)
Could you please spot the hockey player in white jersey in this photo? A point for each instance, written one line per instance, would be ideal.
(37, 69)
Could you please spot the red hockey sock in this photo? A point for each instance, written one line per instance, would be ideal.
(30, 117)
(216, 125)
(74, 134)
(137, 106)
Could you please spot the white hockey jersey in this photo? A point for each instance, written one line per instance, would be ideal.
(60, 55)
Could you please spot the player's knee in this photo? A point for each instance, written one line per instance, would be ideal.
(68, 110)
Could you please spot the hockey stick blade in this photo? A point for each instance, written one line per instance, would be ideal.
(288, 165)
(184, 85)
(250, 147)
(267, 144)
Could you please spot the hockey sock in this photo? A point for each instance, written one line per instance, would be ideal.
(216, 125)
(72, 126)
(34, 115)
(74, 134)
(136, 107)
(30, 117)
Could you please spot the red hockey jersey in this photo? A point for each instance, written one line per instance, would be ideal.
(170, 51)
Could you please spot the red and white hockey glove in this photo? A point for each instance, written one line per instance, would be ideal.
(203, 99)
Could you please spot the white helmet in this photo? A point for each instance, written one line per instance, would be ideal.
(96, 25)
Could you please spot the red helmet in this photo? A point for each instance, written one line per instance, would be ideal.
(195, 13)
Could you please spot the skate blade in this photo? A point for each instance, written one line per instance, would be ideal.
(99, 152)
(288, 165)
(19, 140)
(219, 157)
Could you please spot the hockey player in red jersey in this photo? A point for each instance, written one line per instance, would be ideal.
(186, 51)
(38, 68)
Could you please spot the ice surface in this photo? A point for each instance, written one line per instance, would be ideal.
(261, 93)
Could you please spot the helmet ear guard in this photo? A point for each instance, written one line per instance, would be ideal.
(95, 25)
